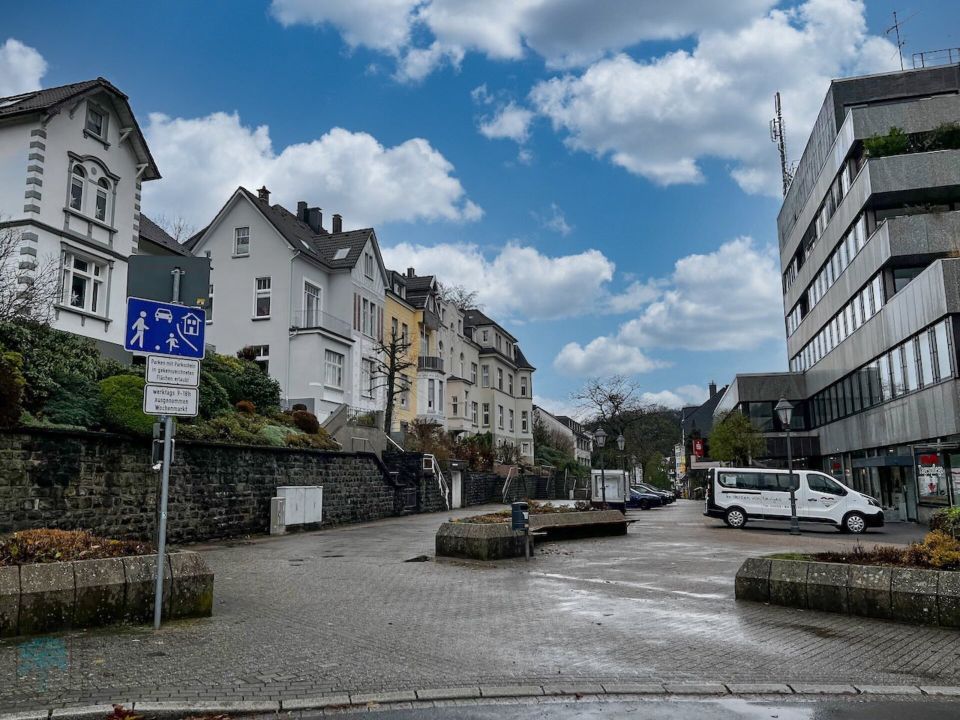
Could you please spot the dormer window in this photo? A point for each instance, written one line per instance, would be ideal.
(96, 123)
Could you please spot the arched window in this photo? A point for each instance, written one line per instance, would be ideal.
(103, 196)
(76, 187)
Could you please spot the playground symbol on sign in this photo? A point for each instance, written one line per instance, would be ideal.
(158, 328)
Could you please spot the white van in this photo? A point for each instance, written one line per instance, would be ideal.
(738, 495)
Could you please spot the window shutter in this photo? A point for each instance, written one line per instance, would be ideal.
(356, 312)
(380, 323)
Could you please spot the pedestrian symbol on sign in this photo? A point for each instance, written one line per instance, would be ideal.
(139, 327)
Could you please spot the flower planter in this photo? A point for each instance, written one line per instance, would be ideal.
(927, 597)
(47, 597)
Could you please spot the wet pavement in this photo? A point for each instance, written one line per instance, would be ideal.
(341, 610)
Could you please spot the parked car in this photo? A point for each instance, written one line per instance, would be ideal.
(738, 495)
(665, 495)
(643, 499)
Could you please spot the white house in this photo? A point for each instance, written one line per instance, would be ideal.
(72, 160)
(309, 301)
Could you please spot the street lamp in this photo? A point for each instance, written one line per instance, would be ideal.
(785, 412)
(620, 443)
(601, 438)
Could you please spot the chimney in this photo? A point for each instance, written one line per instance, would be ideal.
(713, 389)
(264, 194)
(302, 211)
(315, 219)
(337, 223)
(411, 272)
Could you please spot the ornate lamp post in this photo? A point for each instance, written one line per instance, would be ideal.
(785, 411)
(600, 437)
(620, 443)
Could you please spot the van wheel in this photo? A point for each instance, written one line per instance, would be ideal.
(735, 517)
(854, 523)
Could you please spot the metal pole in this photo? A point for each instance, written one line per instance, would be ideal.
(794, 523)
(603, 481)
(162, 533)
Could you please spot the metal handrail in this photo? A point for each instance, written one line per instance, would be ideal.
(506, 483)
(312, 320)
(441, 481)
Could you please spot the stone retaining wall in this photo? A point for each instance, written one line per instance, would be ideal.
(104, 483)
(47, 597)
(928, 597)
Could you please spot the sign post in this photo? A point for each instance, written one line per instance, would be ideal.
(172, 338)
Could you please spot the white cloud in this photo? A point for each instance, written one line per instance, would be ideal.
(342, 171)
(555, 221)
(21, 68)
(517, 282)
(511, 122)
(604, 356)
(728, 299)
(421, 34)
(568, 408)
(678, 397)
(659, 118)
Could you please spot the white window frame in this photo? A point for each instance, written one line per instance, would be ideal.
(95, 282)
(307, 297)
(431, 393)
(333, 363)
(485, 376)
(209, 307)
(486, 414)
(367, 374)
(500, 417)
(368, 265)
(524, 421)
(511, 415)
(262, 292)
(523, 386)
(455, 406)
(104, 120)
(241, 233)
(262, 355)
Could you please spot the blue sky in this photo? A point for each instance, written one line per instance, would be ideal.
(600, 173)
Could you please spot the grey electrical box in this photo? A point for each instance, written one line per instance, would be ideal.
(151, 277)
(277, 511)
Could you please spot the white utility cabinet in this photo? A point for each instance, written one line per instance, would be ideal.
(303, 503)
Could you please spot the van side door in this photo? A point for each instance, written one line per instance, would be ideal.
(740, 488)
(776, 494)
(823, 499)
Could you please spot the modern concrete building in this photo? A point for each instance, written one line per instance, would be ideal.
(869, 234)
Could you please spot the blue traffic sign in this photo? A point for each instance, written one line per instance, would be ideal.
(158, 328)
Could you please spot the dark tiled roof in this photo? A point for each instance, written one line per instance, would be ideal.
(419, 283)
(700, 418)
(474, 318)
(522, 361)
(322, 246)
(49, 100)
(152, 232)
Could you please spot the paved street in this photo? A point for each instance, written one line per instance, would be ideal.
(340, 610)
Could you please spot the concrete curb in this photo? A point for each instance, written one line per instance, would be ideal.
(612, 691)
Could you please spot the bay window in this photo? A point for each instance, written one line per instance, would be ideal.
(83, 283)
(334, 369)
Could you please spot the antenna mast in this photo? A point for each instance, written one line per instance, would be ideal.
(895, 28)
(778, 135)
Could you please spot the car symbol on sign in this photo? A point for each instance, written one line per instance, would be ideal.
(163, 314)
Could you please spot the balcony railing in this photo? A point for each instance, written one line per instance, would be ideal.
(429, 362)
(313, 320)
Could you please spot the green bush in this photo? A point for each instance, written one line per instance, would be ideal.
(244, 380)
(946, 520)
(213, 398)
(122, 405)
(76, 401)
(12, 385)
(50, 357)
(229, 428)
(895, 142)
(275, 434)
(318, 441)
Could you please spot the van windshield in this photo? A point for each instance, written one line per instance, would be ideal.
(767, 481)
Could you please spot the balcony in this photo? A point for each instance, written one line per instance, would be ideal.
(430, 363)
(318, 320)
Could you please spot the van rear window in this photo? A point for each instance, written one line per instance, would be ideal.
(757, 481)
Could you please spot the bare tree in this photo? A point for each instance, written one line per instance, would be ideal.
(392, 360)
(459, 297)
(610, 401)
(176, 227)
(28, 285)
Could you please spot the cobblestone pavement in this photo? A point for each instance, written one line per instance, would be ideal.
(340, 610)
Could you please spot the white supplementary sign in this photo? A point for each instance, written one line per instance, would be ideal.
(173, 371)
(170, 400)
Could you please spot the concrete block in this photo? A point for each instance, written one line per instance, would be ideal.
(573, 689)
(490, 541)
(913, 595)
(788, 583)
(948, 598)
(942, 690)
(141, 575)
(869, 591)
(393, 696)
(634, 688)
(510, 691)
(86, 712)
(101, 592)
(823, 689)
(827, 587)
(312, 703)
(47, 597)
(759, 689)
(753, 580)
(9, 600)
(696, 689)
(888, 689)
(191, 593)
(453, 693)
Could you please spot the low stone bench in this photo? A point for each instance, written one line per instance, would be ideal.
(494, 541)
(46, 597)
(928, 597)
